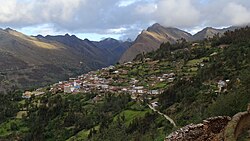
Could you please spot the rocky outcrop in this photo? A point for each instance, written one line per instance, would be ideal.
(221, 128)
(205, 131)
(239, 123)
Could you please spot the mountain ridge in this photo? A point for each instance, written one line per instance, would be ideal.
(43, 60)
(149, 40)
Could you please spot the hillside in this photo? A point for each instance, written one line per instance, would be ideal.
(151, 39)
(28, 62)
(146, 99)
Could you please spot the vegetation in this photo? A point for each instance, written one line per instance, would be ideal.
(193, 96)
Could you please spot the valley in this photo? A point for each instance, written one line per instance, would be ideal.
(29, 62)
(185, 83)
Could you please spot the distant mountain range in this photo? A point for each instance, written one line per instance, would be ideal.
(40, 60)
(34, 61)
(151, 39)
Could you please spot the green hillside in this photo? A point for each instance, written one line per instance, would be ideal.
(208, 78)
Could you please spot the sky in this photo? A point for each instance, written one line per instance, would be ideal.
(120, 19)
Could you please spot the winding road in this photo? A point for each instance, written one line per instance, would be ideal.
(167, 117)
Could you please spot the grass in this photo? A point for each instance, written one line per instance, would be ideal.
(159, 86)
(22, 102)
(131, 114)
(82, 135)
(6, 130)
(196, 61)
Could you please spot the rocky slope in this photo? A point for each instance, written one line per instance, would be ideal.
(209, 32)
(151, 39)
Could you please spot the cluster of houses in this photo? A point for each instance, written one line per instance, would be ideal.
(105, 80)
(108, 80)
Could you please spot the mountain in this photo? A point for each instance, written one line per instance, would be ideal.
(145, 99)
(115, 47)
(108, 51)
(151, 39)
(83, 48)
(209, 32)
(28, 62)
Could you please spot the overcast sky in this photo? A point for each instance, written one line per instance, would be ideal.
(120, 19)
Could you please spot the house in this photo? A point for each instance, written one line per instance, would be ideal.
(147, 59)
(171, 75)
(222, 85)
(124, 89)
(154, 92)
(27, 94)
(97, 98)
(115, 72)
(133, 81)
(111, 67)
(138, 87)
(213, 54)
(171, 80)
(104, 86)
(162, 79)
(67, 88)
(155, 104)
(133, 91)
(37, 93)
(140, 91)
(195, 44)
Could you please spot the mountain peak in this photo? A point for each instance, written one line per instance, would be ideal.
(209, 28)
(67, 35)
(39, 36)
(109, 40)
(9, 30)
(155, 27)
(151, 39)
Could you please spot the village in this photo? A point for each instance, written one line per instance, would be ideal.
(111, 80)
(121, 79)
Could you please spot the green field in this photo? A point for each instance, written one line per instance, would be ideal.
(131, 114)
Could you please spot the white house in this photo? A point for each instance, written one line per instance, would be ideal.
(222, 85)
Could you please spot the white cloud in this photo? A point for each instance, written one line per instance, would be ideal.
(123, 17)
(180, 13)
(39, 11)
(237, 14)
(148, 8)
(124, 3)
(7, 9)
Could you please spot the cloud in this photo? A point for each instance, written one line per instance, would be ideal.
(180, 13)
(125, 18)
(236, 14)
